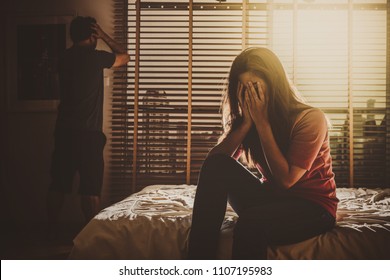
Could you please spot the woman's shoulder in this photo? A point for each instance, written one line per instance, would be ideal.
(310, 114)
(311, 117)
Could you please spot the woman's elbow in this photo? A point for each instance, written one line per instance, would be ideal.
(285, 183)
(289, 179)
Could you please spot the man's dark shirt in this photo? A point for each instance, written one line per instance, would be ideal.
(82, 89)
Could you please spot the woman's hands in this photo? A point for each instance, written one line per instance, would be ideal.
(253, 103)
(246, 116)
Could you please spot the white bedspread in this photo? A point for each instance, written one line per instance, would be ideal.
(154, 224)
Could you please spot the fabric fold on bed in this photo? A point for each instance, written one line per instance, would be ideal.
(154, 224)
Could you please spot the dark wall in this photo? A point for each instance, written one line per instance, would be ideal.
(27, 136)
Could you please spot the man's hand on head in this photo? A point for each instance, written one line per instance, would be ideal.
(98, 32)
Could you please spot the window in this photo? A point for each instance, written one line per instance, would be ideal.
(166, 103)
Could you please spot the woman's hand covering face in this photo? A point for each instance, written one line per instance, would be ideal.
(256, 101)
(241, 96)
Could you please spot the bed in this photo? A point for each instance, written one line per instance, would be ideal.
(154, 224)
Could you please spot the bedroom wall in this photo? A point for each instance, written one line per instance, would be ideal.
(26, 137)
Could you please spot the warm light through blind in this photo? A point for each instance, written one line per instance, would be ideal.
(334, 51)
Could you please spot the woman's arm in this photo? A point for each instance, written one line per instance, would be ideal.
(233, 140)
(284, 174)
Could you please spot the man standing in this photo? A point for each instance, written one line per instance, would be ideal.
(79, 140)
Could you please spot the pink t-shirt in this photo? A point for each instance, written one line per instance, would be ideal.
(309, 150)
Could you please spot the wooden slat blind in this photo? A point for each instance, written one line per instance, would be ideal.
(217, 39)
(388, 98)
(124, 92)
(369, 95)
(166, 105)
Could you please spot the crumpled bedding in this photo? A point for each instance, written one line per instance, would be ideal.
(154, 224)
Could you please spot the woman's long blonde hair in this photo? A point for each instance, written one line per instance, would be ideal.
(284, 102)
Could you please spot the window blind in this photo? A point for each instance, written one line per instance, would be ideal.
(166, 102)
(217, 39)
(124, 96)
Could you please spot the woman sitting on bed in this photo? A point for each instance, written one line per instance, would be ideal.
(287, 141)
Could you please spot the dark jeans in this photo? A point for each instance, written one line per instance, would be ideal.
(265, 217)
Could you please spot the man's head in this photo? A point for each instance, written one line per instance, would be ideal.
(81, 30)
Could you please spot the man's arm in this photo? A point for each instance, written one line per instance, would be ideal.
(121, 55)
